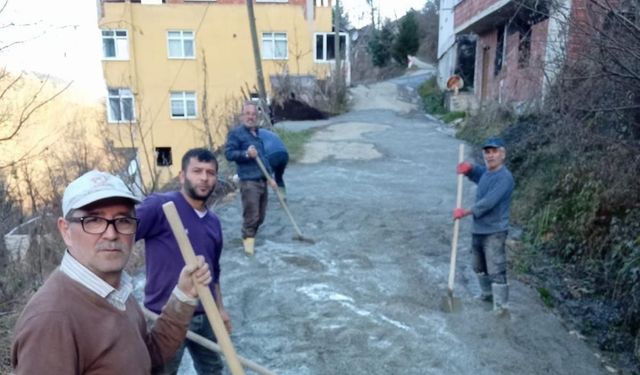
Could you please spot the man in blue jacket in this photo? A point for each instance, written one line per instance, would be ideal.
(243, 147)
(277, 155)
(490, 221)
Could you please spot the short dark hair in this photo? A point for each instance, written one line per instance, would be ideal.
(200, 154)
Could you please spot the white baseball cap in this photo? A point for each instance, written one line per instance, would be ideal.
(94, 186)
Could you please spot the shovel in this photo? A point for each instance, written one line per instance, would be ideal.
(204, 293)
(451, 303)
(298, 236)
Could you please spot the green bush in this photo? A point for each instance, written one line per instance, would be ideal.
(432, 97)
(452, 116)
(380, 46)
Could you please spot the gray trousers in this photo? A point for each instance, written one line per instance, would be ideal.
(254, 206)
(490, 256)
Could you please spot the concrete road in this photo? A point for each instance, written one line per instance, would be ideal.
(375, 189)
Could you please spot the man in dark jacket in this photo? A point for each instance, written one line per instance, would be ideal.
(490, 221)
(243, 147)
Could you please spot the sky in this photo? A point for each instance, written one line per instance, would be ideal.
(360, 13)
(61, 37)
(55, 37)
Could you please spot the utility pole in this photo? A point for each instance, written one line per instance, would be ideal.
(338, 56)
(262, 91)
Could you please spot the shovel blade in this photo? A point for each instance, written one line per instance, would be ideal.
(303, 239)
(450, 304)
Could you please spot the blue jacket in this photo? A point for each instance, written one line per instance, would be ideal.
(238, 142)
(493, 199)
(272, 143)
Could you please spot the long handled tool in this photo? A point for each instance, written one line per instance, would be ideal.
(298, 235)
(204, 293)
(206, 343)
(452, 303)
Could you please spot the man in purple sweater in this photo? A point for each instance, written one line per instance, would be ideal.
(163, 259)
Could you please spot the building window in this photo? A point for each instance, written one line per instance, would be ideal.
(181, 44)
(115, 44)
(163, 156)
(120, 104)
(183, 104)
(275, 46)
(325, 47)
(524, 47)
(500, 53)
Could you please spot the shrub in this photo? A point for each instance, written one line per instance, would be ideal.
(432, 97)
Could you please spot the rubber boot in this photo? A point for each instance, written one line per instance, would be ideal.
(485, 288)
(249, 244)
(500, 298)
(283, 193)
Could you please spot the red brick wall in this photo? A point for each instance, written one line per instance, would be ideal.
(584, 23)
(518, 84)
(467, 9)
(525, 83)
(295, 2)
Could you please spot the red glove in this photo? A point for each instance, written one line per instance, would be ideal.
(464, 168)
(458, 213)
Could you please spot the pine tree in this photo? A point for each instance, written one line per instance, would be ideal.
(380, 46)
(408, 40)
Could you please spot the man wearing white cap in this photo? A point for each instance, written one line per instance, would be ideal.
(84, 320)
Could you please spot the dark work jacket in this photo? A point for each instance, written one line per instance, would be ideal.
(238, 142)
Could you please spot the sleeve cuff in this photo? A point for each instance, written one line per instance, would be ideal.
(183, 297)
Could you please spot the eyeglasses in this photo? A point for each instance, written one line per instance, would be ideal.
(99, 225)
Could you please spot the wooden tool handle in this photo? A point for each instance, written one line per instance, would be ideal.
(214, 347)
(204, 293)
(456, 224)
(280, 198)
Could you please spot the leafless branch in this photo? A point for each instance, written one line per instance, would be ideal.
(29, 108)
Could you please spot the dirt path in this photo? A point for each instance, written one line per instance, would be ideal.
(375, 189)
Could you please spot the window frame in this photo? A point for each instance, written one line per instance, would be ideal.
(324, 35)
(273, 41)
(124, 52)
(501, 50)
(120, 97)
(164, 150)
(182, 40)
(184, 101)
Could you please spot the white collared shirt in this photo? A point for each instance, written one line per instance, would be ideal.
(116, 297)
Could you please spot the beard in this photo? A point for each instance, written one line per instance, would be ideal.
(193, 194)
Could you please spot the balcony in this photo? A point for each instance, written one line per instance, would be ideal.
(479, 16)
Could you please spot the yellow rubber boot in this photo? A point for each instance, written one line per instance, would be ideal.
(249, 244)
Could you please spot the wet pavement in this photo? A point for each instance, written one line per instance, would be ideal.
(375, 190)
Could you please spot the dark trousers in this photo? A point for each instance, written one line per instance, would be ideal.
(490, 256)
(204, 360)
(254, 206)
(278, 162)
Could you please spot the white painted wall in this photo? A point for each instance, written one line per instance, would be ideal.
(446, 43)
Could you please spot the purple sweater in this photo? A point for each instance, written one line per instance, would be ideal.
(162, 254)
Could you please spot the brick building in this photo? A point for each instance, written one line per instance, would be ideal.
(520, 45)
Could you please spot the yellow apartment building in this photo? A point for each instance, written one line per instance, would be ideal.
(173, 67)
